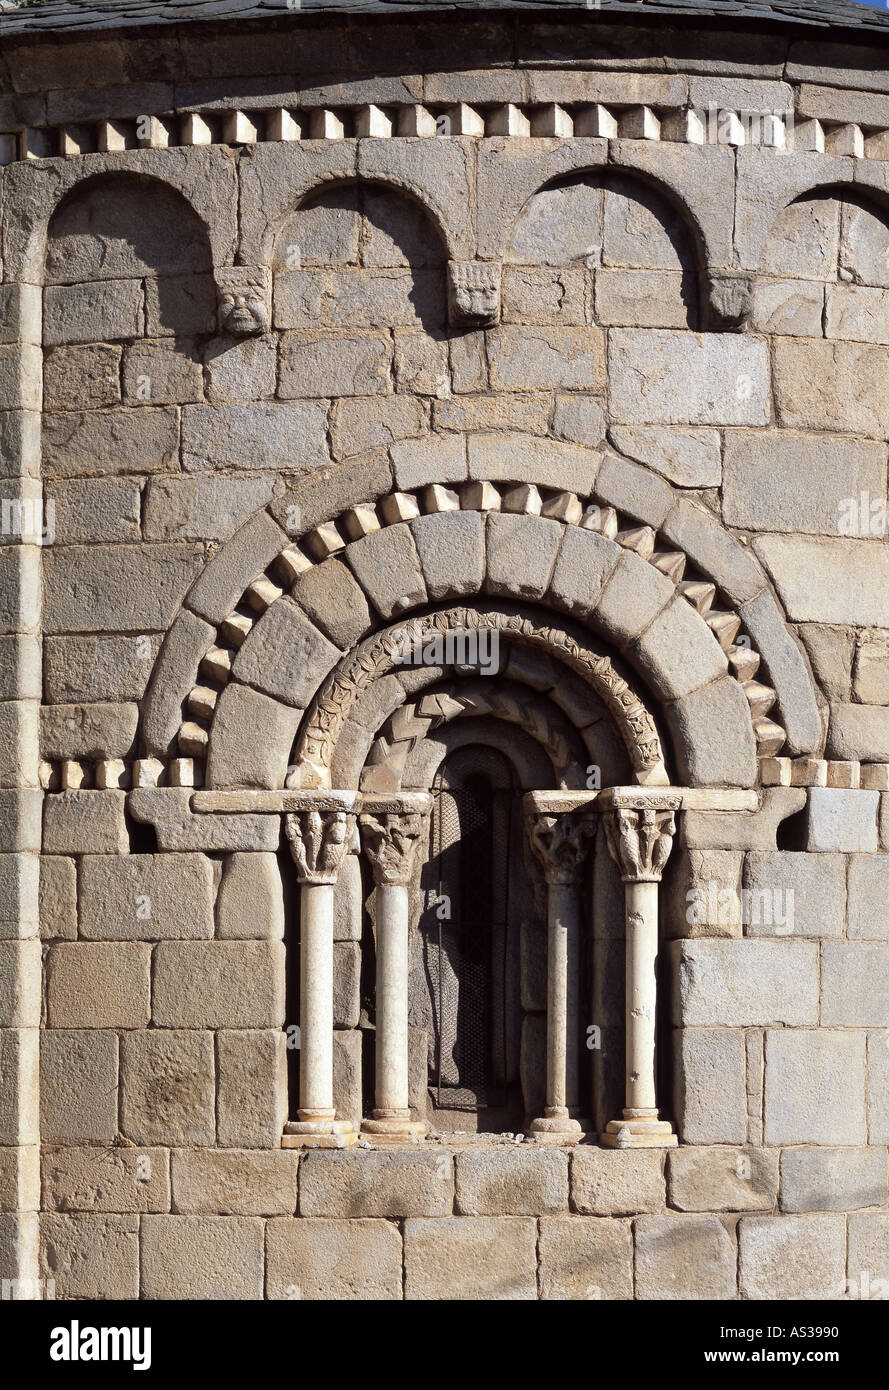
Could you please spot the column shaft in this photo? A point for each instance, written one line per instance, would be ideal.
(316, 1002)
(392, 1100)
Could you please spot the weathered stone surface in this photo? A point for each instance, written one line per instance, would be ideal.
(347, 1088)
(745, 983)
(792, 1257)
(795, 894)
(116, 587)
(867, 1251)
(356, 298)
(19, 889)
(176, 305)
(387, 567)
(854, 992)
(868, 918)
(521, 552)
(678, 652)
(237, 758)
(814, 1087)
(267, 435)
(106, 1179)
(202, 1257)
(20, 1085)
(362, 423)
(239, 1182)
(85, 822)
(329, 1260)
(92, 313)
(673, 378)
(615, 1182)
(699, 722)
(634, 594)
(535, 359)
(833, 1179)
(829, 385)
(19, 993)
(829, 581)
(285, 655)
(252, 1094)
(711, 1096)
(686, 457)
(722, 1179)
(787, 669)
(871, 678)
(470, 414)
(585, 1259)
(702, 893)
(509, 1181)
(791, 307)
(96, 510)
(76, 442)
(242, 369)
(319, 364)
(378, 1183)
(842, 820)
(580, 420)
(471, 1257)
(78, 1086)
(202, 507)
(644, 298)
(58, 898)
(218, 984)
(99, 985)
(515, 458)
(91, 1256)
(451, 548)
(684, 1257)
(785, 481)
(167, 1087)
(334, 602)
(146, 897)
(859, 732)
(84, 377)
(250, 901)
(583, 566)
(93, 731)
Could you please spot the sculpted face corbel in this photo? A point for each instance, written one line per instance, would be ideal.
(245, 299)
(474, 293)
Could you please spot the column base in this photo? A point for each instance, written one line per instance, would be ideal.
(558, 1129)
(318, 1134)
(636, 1133)
(394, 1131)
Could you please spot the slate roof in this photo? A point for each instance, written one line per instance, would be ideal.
(79, 16)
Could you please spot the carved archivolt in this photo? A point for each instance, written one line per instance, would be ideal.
(377, 656)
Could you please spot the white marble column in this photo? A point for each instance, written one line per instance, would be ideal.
(392, 829)
(318, 833)
(560, 840)
(639, 827)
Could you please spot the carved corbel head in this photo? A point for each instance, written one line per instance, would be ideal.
(474, 293)
(245, 299)
(729, 295)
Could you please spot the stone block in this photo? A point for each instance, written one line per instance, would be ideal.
(93, 313)
(78, 1086)
(745, 983)
(88, 732)
(252, 1095)
(58, 899)
(346, 984)
(20, 1083)
(833, 1179)
(633, 596)
(678, 652)
(711, 1095)
(116, 587)
(451, 548)
(387, 567)
(583, 567)
(673, 378)
(234, 1182)
(76, 443)
(90, 1256)
(334, 602)
(687, 457)
(19, 877)
(165, 372)
(842, 820)
(106, 1179)
(250, 901)
(702, 893)
(347, 1089)
(868, 1244)
(222, 584)
(831, 651)
(421, 363)
(202, 1257)
(237, 758)
(203, 506)
(91, 510)
(580, 420)
(785, 481)
(340, 364)
(19, 1181)
(20, 963)
(242, 369)
(644, 298)
(792, 307)
(146, 897)
(285, 655)
(858, 313)
(722, 1179)
(218, 984)
(20, 830)
(878, 1087)
(683, 1258)
(462, 1258)
(179, 305)
(788, 671)
(585, 1259)
(263, 434)
(859, 732)
(379, 1182)
(794, 894)
(633, 490)
(824, 580)
(529, 413)
(348, 900)
(617, 1182)
(542, 296)
(351, 297)
(814, 1087)
(333, 1260)
(792, 1257)
(855, 984)
(540, 359)
(84, 378)
(698, 723)
(363, 423)
(871, 678)
(521, 553)
(167, 1087)
(99, 985)
(432, 459)
(517, 459)
(510, 1181)
(831, 385)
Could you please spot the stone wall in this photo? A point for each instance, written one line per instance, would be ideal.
(689, 336)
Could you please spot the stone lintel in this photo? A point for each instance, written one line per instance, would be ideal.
(614, 798)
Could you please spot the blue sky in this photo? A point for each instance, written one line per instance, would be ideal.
(873, 4)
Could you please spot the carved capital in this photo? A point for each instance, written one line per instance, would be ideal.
(474, 293)
(390, 840)
(560, 841)
(245, 299)
(639, 832)
(318, 841)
